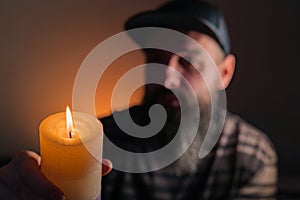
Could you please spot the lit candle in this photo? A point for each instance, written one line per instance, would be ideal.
(70, 152)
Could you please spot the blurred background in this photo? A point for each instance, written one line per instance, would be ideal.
(43, 44)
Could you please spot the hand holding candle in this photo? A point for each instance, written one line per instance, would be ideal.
(66, 161)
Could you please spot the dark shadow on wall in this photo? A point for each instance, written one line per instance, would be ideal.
(265, 90)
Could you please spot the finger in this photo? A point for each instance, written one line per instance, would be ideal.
(26, 165)
(106, 166)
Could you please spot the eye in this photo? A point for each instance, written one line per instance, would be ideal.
(190, 65)
(185, 62)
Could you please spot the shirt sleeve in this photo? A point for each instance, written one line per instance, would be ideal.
(262, 186)
(263, 183)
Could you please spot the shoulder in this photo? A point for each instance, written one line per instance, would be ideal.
(116, 132)
(251, 142)
(256, 159)
(109, 122)
(135, 110)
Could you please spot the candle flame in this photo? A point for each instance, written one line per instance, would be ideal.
(69, 119)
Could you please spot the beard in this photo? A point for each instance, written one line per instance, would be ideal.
(187, 162)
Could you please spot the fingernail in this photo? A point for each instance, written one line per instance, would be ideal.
(56, 195)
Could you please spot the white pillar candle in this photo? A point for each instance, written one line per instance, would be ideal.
(66, 157)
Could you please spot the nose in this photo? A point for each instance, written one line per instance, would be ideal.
(172, 73)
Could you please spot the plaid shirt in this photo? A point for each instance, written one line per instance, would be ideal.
(242, 165)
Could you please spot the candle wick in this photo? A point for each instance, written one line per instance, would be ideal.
(70, 134)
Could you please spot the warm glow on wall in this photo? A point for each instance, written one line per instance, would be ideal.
(110, 78)
(42, 53)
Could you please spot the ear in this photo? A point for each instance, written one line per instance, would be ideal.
(227, 67)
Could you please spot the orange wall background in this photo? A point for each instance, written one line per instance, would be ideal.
(43, 44)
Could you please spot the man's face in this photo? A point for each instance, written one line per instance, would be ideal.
(195, 66)
(188, 73)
